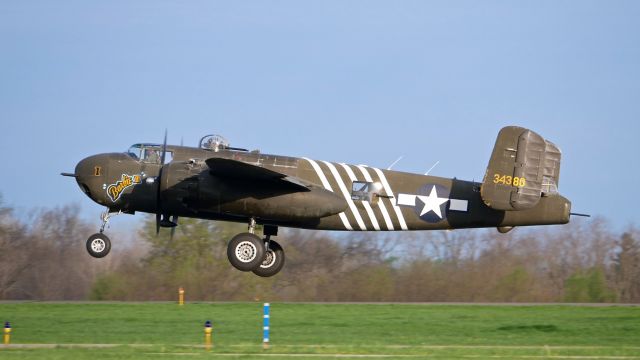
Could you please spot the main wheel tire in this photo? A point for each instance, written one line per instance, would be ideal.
(98, 245)
(273, 261)
(245, 251)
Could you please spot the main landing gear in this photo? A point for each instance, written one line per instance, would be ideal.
(99, 244)
(247, 252)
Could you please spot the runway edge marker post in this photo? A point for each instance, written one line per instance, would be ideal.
(6, 339)
(208, 329)
(265, 327)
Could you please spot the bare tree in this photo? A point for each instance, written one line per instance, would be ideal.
(626, 266)
(12, 252)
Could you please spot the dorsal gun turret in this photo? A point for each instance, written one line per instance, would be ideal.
(214, 142)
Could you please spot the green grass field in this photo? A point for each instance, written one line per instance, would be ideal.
(317, 331)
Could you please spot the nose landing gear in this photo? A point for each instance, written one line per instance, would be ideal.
(99, 244)
(263, 257)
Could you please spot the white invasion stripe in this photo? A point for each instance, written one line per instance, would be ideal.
(327, 186)
(265, 328)
(323, 178)
(406, 199)
(346, 194)
(383, 209)
(267, 340)
(345, 221)
(266, 304)
(389, 192)
(366, 204)
(265, 316)
(458, 205)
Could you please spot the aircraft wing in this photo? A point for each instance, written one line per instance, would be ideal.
(240, 170)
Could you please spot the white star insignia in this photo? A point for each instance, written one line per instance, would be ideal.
(432, 202)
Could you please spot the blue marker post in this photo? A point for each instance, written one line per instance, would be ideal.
(265, 327)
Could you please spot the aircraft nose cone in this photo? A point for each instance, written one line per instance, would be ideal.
(88, 167)
(89, 175)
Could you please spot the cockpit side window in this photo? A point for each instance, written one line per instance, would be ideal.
(151, 155)
(168, 157)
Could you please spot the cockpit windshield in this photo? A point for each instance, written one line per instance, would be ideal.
(149, 153)
(135, 151)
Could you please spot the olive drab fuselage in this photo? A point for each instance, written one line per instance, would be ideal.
(235, 185)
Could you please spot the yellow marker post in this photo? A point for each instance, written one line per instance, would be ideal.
(181, 296)
(208, 344)
(6, 339)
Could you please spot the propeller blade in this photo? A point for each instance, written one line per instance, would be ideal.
(164, 148)
(159, 182)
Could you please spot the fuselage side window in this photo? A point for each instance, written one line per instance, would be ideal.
(361, 190)
(366, 191)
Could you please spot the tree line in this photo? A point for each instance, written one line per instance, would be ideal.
(44, 258)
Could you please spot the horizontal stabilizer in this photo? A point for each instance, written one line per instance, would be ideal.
(235, 169)
(523, 168)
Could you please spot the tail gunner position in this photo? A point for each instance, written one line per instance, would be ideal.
(218, 182)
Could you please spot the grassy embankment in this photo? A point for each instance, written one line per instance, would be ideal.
(153, 330)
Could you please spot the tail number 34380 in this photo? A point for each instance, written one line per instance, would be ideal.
(509, 180)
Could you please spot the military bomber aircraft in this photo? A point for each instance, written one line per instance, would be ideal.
(219, 182)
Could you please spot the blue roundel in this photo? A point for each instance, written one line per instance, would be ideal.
(431, 202)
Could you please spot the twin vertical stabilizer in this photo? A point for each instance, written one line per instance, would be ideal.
(523, 168)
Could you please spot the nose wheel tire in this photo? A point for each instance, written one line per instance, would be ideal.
(98, 245)
(245, 251)
(273, 261)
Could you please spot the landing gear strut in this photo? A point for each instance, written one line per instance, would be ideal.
(99, 244)
(247, 252)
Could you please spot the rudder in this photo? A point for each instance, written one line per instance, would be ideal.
(523, 168)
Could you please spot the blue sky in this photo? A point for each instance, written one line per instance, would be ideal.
(353, 81)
